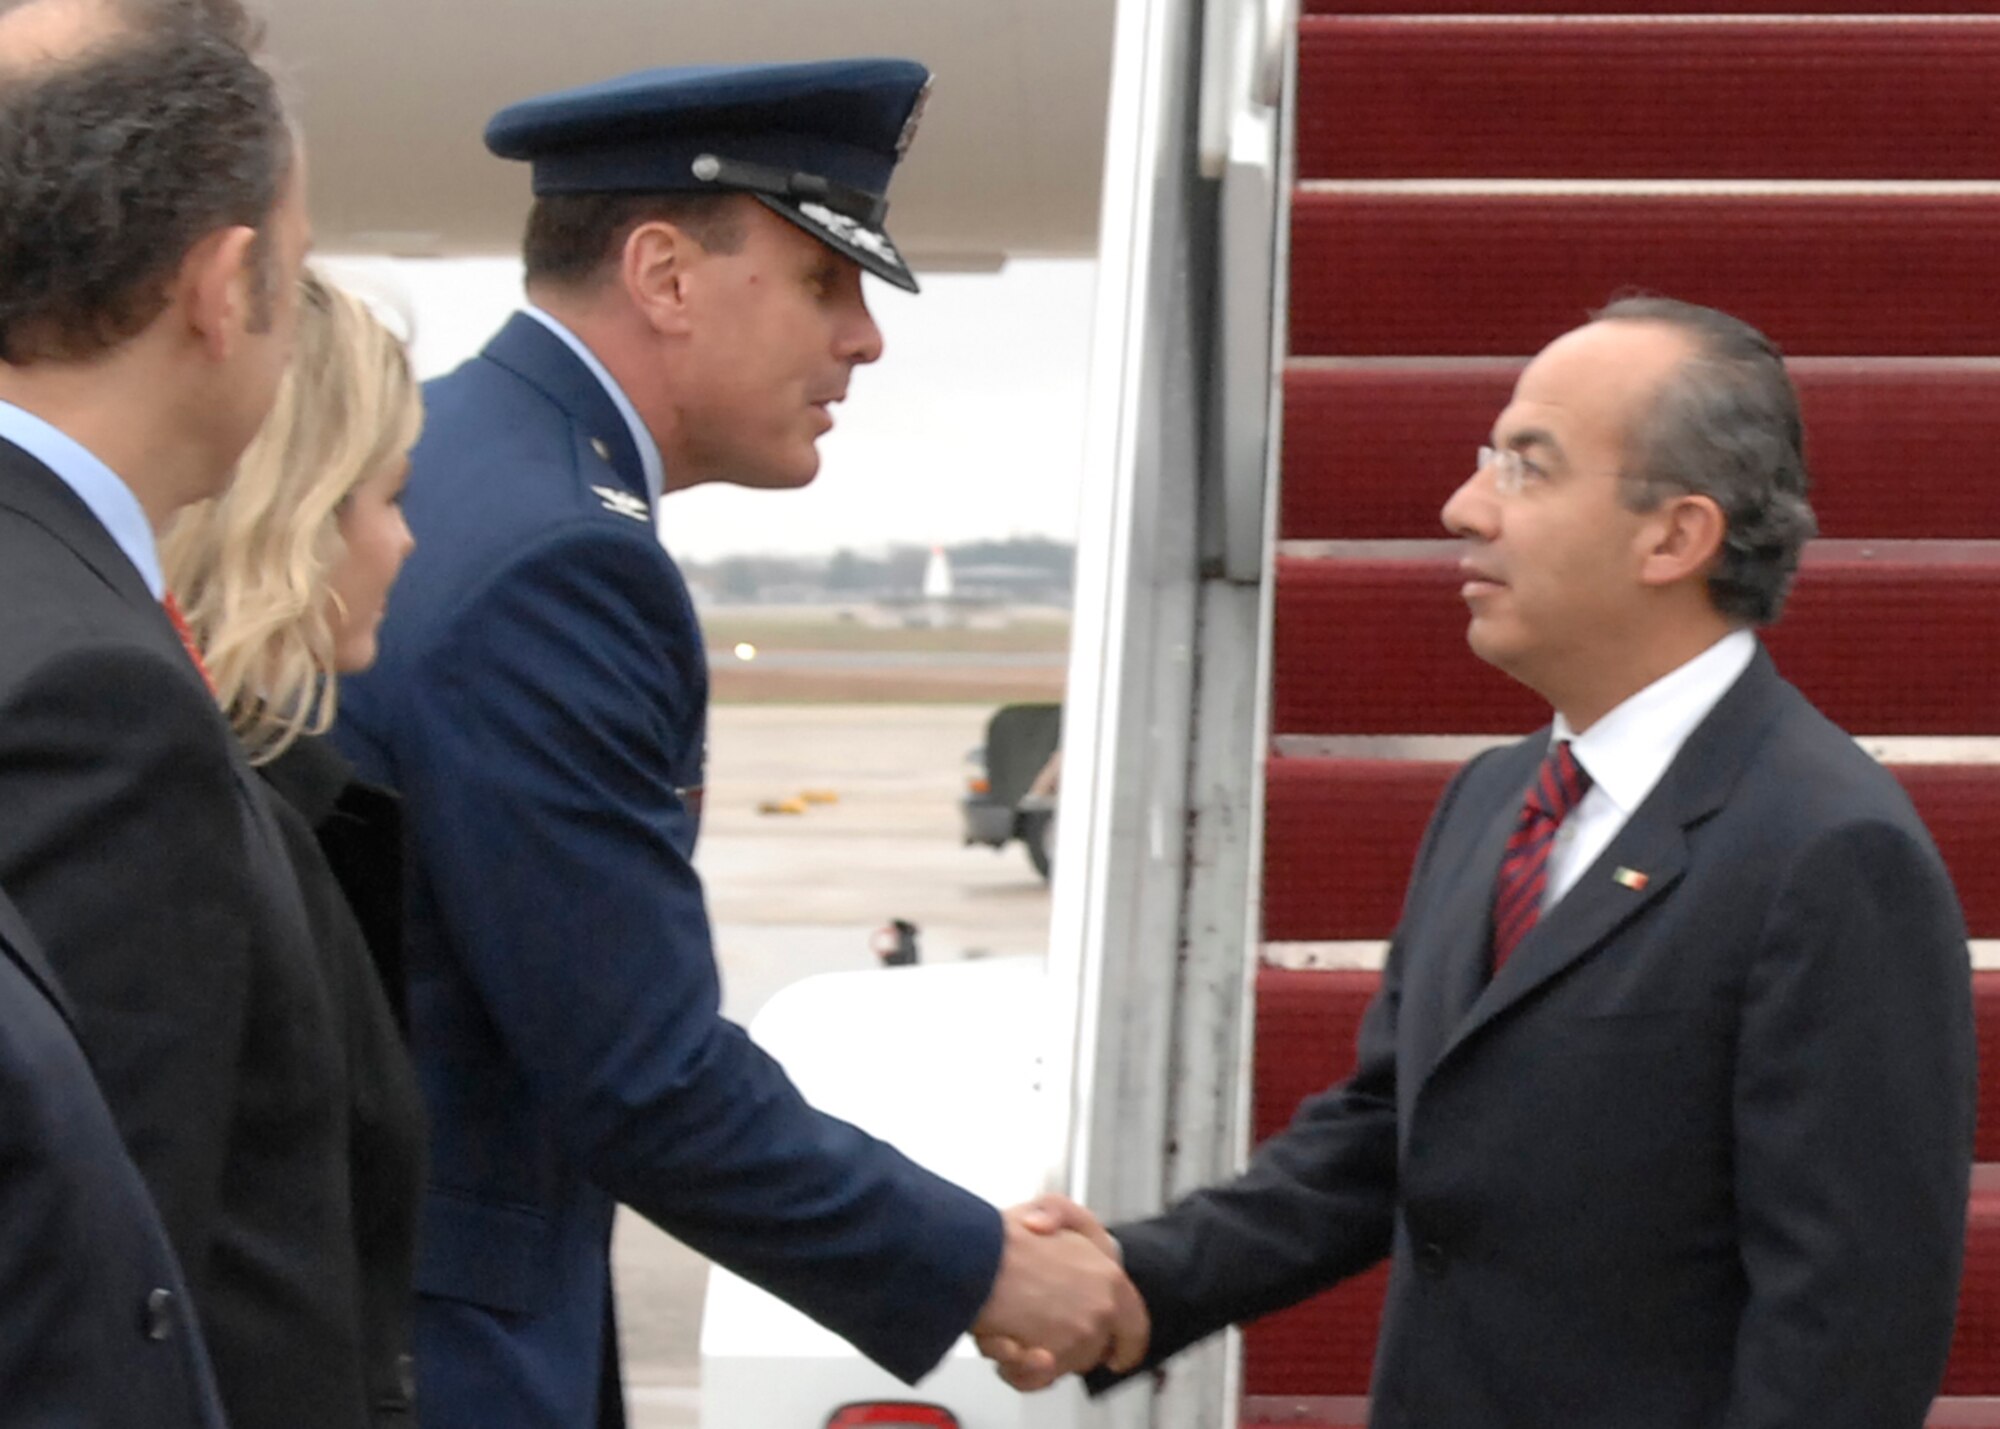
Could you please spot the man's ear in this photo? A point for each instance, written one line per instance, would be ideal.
(1684, 536)
(659, 266)
(217, 288)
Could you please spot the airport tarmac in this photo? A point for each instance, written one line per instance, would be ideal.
(794, 895)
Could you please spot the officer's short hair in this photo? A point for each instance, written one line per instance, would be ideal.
(116, 161)
(573, 240)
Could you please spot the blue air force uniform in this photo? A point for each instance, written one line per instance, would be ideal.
(540, 702)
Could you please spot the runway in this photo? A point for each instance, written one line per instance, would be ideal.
(795, 895)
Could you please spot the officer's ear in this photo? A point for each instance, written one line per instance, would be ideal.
(657, 267)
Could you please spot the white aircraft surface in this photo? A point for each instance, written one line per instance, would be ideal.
(395, 93)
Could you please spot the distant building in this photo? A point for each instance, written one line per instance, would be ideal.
(984, 575)
(937, 575)
(1022, 585)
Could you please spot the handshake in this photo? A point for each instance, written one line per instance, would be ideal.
(1061, 1303)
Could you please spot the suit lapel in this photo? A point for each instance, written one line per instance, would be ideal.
(30, 488)
(19, 944)
(1654, 842)
(1468, 912)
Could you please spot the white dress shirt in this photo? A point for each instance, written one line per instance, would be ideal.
(649, 450)
(96, 485)
(1627, 751)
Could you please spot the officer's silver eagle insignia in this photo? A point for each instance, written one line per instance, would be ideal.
(623, 502)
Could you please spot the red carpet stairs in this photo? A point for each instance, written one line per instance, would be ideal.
(1468, 188)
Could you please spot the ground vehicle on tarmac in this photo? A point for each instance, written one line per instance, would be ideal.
(1010, 785)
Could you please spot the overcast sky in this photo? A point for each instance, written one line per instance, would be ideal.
(970, 427)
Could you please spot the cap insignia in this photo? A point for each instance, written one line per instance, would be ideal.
(848, 230)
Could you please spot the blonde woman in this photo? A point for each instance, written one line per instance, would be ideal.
(282, 580)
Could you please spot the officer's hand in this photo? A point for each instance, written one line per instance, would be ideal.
(1061, 1303)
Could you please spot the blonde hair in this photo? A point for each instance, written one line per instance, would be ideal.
(250, 567)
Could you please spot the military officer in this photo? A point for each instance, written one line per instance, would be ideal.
(694, 266)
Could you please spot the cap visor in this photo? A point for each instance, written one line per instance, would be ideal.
(870, 247)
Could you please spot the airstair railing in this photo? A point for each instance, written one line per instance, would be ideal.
(1243, 87)
(1153, 924)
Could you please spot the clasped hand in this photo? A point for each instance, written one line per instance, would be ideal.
(1061, 1303)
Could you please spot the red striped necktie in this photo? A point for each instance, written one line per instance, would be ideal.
(187, 639)
(1524, 870)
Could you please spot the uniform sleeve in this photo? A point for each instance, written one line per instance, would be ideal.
(538, 761)
(122, 842)
(1316, 1204)
(1854, 1111)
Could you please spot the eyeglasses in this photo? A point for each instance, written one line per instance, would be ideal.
(1510, 468)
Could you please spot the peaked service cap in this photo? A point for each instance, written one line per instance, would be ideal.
(815, 143)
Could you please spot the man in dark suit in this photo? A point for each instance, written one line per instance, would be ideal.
(152, 231)
(694, 266)
(95, 1326)
(1664, 1110)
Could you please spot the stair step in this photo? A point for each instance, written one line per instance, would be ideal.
(1340, 836)
(1326, 1345)
(1307, 1027)
(1898, 448)
(1307, 1024)
(1648, 7)
(1666, 99)
(1905, 643)
(1351, 1412)
(1326, 1412)
(1388, 271)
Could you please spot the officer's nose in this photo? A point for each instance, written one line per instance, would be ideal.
(861, 339)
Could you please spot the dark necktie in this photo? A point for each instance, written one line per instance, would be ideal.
(187, 639)
(1524, 870)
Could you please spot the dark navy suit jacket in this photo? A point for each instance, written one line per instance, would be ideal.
(1696, 1158)
(540, 702)
(95, 1324)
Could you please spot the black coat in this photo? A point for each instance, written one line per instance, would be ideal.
(1696, 1157)
(345, 841)
(139, 847)
(94, 1319)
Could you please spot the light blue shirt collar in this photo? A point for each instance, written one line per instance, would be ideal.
(649, 450)
(96, 485)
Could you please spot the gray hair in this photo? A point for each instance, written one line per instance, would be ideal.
(117, 160)
(1726, 426)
